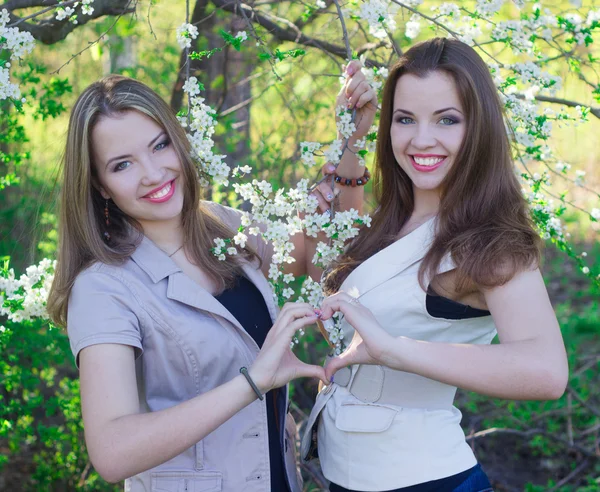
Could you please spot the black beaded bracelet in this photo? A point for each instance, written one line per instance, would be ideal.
(244, 371)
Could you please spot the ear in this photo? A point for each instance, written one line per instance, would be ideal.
(100, 188)
(102, 191)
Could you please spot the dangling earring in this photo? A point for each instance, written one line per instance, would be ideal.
(107, 222)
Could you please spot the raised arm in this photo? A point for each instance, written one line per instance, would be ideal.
(356, 94)
(529, 362)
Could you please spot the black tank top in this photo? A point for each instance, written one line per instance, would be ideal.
(248, 306)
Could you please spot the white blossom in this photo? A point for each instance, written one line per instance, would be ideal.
(307, 152)
(380, 15)
(240, 239)
(413, 27)
(447, 9)
(185, 34)
(191, 87)
(333, 153)
(29, 292)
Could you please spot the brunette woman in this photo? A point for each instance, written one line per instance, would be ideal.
(450, 260)
(167, 337)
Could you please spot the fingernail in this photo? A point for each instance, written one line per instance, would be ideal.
(349, 105)
(330, 168)
(350, 69)
(317, 312)
(329, 196)
(331, 380)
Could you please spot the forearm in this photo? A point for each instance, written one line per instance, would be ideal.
(134, 443)
(347, 197)
(526, 369)
(349, 167)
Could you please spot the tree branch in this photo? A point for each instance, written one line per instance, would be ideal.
(532, 433)
(41, 12)
(24, 4)
(283, 34)
(50, 30)
(564, 102)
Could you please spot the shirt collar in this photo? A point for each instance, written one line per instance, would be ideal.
(153, 260)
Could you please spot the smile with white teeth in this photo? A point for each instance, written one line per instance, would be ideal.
(163, 191)
(428, 161)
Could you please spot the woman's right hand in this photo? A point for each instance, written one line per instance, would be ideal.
(276, 364)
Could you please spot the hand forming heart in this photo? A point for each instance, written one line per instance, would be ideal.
(371, 344)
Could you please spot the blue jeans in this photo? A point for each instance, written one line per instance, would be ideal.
(475, 482)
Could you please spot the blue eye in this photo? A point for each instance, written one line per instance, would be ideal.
(404, 120)
(447, 120)
(162, 145)
(122, 165)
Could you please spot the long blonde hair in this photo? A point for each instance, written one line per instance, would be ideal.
(81, 220)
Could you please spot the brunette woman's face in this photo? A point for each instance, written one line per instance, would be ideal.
(138, 167)
(428, 127)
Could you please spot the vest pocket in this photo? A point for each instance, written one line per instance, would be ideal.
(173, 481)
(363, 417)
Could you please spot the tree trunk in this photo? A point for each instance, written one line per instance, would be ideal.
(221, 75)
(121, 54)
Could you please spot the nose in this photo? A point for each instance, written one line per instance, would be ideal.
(424, 137)
(153, 173)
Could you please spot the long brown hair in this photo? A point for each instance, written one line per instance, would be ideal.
(483, 220)
(81, 223)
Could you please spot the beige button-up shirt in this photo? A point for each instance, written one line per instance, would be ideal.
(186, 343)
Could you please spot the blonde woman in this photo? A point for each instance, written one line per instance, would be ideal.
(180, 355)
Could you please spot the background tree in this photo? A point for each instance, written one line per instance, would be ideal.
(270, 71)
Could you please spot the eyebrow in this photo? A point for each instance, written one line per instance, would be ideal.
(439, 111)
(125, 156)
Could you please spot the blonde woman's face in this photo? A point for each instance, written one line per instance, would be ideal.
(138, 167)
(428, 127)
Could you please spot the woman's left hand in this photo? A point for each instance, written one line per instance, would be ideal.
(357, 94)
(371, 344)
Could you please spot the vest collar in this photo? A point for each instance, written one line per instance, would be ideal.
(392, 260)
(157, 264)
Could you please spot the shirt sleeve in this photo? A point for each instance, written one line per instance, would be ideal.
(100, 311)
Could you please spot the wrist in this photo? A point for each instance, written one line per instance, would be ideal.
(355, 137)
(253, 382)
(395, 356)
(346, 180)
(262, 381)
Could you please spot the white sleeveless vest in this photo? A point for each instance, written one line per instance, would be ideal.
(382, 429)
